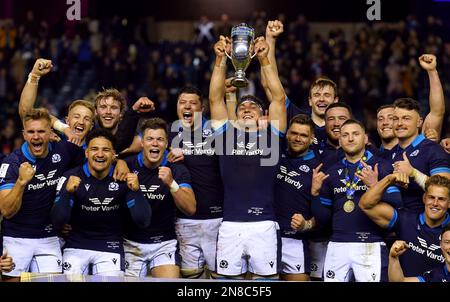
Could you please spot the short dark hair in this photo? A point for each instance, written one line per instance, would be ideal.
(354, 122)
(339, 105)
(384, 107)
(408, 104)
(321, 82)
(188, 89)
(155, 124)
(302, 119)
(100, 132)
(438, 180)
(254, 99)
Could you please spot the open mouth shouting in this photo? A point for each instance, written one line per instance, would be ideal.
(78, 129)
(322, 106)
(188, 117)
(37, 147)
(154, 153)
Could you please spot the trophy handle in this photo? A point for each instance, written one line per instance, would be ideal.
(229, 57)
(254, 55)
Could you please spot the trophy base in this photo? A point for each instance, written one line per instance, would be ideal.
(239, 82)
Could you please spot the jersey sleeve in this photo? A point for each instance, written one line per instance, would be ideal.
(9, 172)
(182, 176)
(392, 194)
(62, 207)
(439, 161)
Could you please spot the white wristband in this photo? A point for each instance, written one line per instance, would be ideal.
(32, 76)
(60, 126)
(174, 186)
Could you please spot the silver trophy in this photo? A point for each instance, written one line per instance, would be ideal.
(242, 39)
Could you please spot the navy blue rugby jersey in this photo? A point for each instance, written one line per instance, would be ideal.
(97, 210)
(438, 274)
(201, 160)
(157, 194)
(249, 165)
(354, 226)
(293, 191)
(33, 218)
(429, 158)
(424, 252)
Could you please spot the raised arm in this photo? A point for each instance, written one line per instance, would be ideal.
(277, 109)
(435, 117)
(370, 203)
(218, 108)
(29, 93)
(273, 30)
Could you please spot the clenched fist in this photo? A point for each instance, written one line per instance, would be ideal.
(132, 182)
(73, 183)
(274, 29)
(165, 174)
(428, 62)
(398, 248)
(42, 67)
(26, 173)
(144, 104)
(222, 47)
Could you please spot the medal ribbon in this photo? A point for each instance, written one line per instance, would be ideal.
(351, 186)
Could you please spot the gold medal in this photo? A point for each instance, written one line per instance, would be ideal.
(349, 206)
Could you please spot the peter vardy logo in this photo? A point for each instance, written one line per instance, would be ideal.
(287, 177)
(151, 189)
(148, 192)
(46, 180)
(50, 175)
(100, 205)
(426, 249)
(423, 243)
(291, 174)
(249, 146)
(190, 145)
(56, 158)
(97, 201)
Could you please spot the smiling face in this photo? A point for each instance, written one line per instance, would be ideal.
(320, 98)
(154, 143)
(189, 108)
(437, 201)
(248, 113)
(299, 138)
(406, 123)
(334, 119)
(100, 154)
(108, 113)
(385, 124)
(37, 134)
(80, 120)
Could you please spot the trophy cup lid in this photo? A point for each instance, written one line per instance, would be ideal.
(243, 29)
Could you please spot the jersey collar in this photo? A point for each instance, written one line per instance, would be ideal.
(444, 223)
(28, 155)
(88, 173)
(367, 153)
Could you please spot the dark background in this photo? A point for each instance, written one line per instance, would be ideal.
(316, 10)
